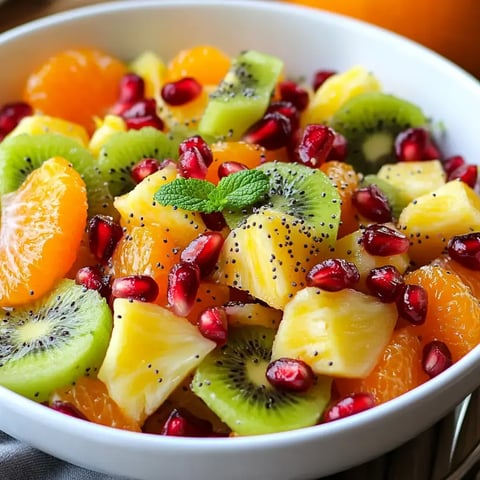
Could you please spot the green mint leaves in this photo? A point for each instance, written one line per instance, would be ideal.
(235, 191)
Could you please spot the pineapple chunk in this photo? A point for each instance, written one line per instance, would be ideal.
(432, 219)
(153, 70)
(150, 353)
(240, 314)
(414, 179)
(341, 334)
(107, 127)
(268, 256)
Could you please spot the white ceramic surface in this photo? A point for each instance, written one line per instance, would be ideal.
(306, 40)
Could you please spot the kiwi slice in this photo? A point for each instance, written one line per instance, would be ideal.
(124, 149)
(51, 342)
(231, 381)
(21, 154)
(370, 122)
(242, 96)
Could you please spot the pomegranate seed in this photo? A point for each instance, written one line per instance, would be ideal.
(214, 221)
(333, 274)
(196, 141)
(135, 287)
(372, 203)
(436, 358)
(183, 283)
(144, 168)
(384, 241)
(415, 144)
(93, 278)
(315, 145)
(192, 164)
(452, 163)
(350, 405)
(180, 423)
(290, 374)
(294, 93)
(213, 324)
(339, 148)
(271, 132)
(412, 303)
(227, 168)
(147, 107)
(11, 114)
(132, 88)
(385, 282)
(465, 249)
(320, 77)
(67, 408)
(204, 251)
(103, 236)
(182, 91)
(466, 173)
(138, 123)
(288, 110)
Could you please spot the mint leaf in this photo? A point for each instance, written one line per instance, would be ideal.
(241, 189)
(186, 193)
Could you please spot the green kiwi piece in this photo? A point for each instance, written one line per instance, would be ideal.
(124, 149)
(370, 122)
(51, 342)
(231, 381)
(396, 199)
(242, 97)
(21, 154)
(302, 192)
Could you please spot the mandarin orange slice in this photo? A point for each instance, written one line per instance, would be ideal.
(42, 224)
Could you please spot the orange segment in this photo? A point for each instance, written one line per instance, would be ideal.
(398, 371)
(75, 85)
(42, 224)
(90, 397)
(453, 313)
(208, 295)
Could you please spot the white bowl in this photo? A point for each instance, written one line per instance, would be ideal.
(306, 40)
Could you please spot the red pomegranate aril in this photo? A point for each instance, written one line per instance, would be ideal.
(214, 221)
(412, 303)
(192, 165)
(384, 241)
(144, 168)
(147, 107)
(11, 114)
(204, 251)
(181, 92)
(320, 76)
(138, 123)
(213, 324)
(349, 405)
(385, 282)
(436, 358)
(288, 110)
(93, 278)
(333, 274)
(67, 408)
(372, 203)
(103, 236)
(227, 168)
(294, 93)
(450, 164)
(466, 173)
(465, 249)
(415, 144)
(132, 88)
(315, 145)
(273, 131)
(183, 283)
(196, 141)
(339, 148)
(290, 374)
(135, 287)
(182, 424)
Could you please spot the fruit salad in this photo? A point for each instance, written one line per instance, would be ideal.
(207, 246)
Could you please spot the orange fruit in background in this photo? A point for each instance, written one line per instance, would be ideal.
(453, 313)
(90, 397)
(75, 85)
(398, 370)
(42, 224)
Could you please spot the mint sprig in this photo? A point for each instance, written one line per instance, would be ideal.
(236, 191)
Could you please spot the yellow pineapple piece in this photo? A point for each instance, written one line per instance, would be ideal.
(432, 219)
(153, 70)
(151, 352)
(239, 314)
(268, 256)
(336, 90)
(107, 127)
(339, 334)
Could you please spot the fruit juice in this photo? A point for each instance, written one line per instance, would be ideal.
(209, 248)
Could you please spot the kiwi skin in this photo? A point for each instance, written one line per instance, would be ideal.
(53, 341)
(231, 381)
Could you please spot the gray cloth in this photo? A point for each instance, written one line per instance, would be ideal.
(18, 461)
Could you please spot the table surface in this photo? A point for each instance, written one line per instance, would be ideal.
(416, 460)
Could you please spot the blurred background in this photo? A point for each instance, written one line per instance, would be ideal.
(449, 27)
